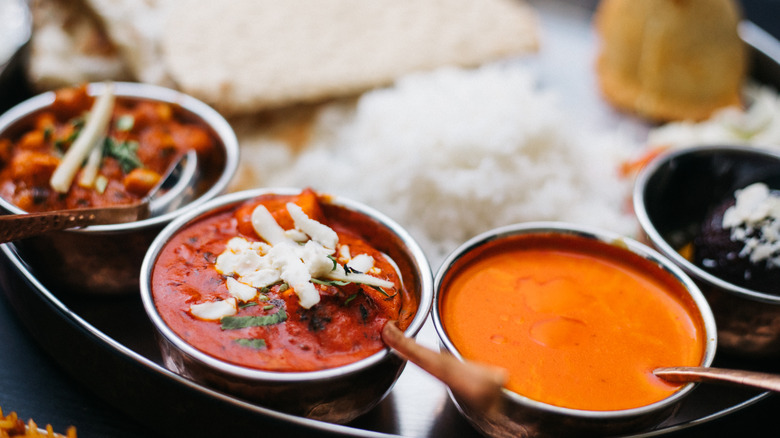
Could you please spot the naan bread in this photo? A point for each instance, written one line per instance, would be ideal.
(135, 27)
(243, 56)
(69, 46)
(247, 56)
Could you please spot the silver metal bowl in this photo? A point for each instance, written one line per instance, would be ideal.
(672, 196)
(520, 416)
(336, 395)
(106, 259)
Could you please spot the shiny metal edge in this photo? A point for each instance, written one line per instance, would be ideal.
(149, 366)
(233, 200)
(209, 116)
(760, 42)
(608, 238)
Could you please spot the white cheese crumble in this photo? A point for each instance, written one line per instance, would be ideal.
(294, 256)
(755, 220)
(215, 310)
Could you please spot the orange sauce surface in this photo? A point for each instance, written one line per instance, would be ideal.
(577, 323)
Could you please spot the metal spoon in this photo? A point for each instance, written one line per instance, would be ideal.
(175, 187)
(765, 381)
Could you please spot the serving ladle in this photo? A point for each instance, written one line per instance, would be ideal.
(175, 188)
(480, 386)
(755, 379)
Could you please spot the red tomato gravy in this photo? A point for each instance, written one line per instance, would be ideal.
(577, 323)
(342, 328)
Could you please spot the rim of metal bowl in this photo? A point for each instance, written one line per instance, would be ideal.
(663, 246)
(416, 252)
(608, 237)
(210, 117)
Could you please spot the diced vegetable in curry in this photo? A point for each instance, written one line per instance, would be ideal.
(123, 160)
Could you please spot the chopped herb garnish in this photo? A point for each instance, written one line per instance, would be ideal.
(239, 322)
(348, 270)
(330, 282)
(247, 304)
(78, 123)
(349, 299)
(262, 297)
(257, 344)
(284, 287)
(335, 263)
(126, 152)
(269, 307)
(382, 291)
(125, 123)
(48, 132)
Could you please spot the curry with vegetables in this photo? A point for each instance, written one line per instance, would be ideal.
(280, 283)
(93, 151)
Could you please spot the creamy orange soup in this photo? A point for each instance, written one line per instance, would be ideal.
(577, 323)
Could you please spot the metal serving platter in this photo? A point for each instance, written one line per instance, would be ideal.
(90, 335)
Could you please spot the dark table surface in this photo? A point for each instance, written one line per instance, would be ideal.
(32, 385)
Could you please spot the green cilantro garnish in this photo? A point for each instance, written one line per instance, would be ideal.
(257, 344)
(330, 282)
(239, 322)
(126, 152)
(349, 299)
(382, 291)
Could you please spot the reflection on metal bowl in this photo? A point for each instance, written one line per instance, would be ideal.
(337, 394)
(523, 415)
(105, 259)
(672, 197)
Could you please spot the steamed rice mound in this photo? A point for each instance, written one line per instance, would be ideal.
(456, 152)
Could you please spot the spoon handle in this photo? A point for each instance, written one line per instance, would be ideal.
(20, 226)
(477, 385)
(766, 381)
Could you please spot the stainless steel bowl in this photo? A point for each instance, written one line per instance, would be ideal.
(672, 196)
(520, 416)
(106, 259)
(336, 395)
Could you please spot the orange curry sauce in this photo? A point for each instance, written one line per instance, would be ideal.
(143, 139)
(342, 328)
(577, 323)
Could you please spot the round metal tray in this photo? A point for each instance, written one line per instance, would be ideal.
(89, 335)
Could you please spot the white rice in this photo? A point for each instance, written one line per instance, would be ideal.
(453, 153)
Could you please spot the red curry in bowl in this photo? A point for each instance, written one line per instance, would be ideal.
(140, 141)
(280, 283)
